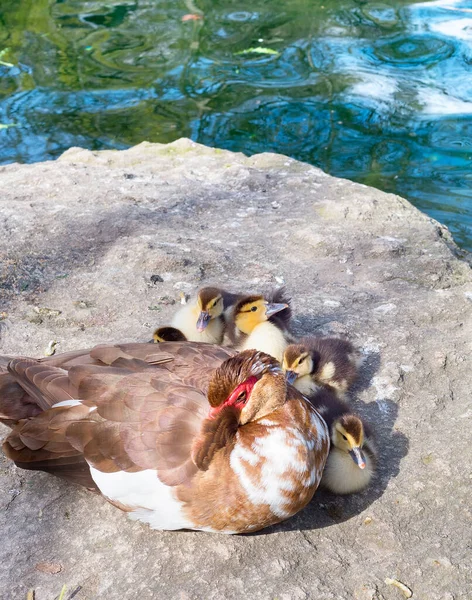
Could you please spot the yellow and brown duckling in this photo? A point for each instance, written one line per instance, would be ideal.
(352, 458)
(168, 334)
(202, 320)
(261, 323)
(318, 361)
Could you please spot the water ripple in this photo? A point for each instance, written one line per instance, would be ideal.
(365, 90)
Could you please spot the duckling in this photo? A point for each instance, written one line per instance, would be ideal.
(261, 323)
(200, 321)
(352, 458)
(168, 334)
(322, 361)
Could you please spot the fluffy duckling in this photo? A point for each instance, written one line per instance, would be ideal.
(202, 320)
(352, 458)
(316, 361)
(261, 323)
(168, 334)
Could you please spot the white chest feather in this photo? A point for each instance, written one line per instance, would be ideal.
(273, 467)
(186, 320)
(266, 337)
(150, 500)
(343, 476)
(306, 385)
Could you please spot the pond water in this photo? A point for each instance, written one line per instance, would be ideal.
(377, 92)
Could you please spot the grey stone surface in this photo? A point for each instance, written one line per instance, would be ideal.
(80, 239)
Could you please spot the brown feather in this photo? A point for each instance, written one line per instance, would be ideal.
(16, 403)
(147, 402)
(215, 434)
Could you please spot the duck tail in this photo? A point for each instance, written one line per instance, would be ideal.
(15, 402)
(281, 319)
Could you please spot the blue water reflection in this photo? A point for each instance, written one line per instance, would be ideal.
(378, 92)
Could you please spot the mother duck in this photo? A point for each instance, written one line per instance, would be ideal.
(180, 435)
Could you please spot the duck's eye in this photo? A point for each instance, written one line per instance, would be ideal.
(301, 360)
(242, 397)
(344, 437)
(253, 309)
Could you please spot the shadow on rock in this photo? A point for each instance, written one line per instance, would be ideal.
(33, 266)
(368, 369)
(305, 325)
(327, 509)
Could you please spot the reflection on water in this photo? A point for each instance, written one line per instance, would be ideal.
(378, 92)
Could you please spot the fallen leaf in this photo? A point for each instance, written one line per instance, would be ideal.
(191, 17)
(49, 568)
(48, 312)
(51, 348)
(427, 459)
(401, 586)
(3, 62)
(63, 591)
(257, 50)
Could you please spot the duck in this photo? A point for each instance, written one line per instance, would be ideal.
(322, 361)
(261, 323)
(202, 320)
(179, 435)
(352, 459)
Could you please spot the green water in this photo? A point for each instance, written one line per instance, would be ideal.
(378, 92)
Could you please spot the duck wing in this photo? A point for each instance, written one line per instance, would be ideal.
(126, 407)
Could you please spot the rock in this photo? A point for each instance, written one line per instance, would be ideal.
(84, 234)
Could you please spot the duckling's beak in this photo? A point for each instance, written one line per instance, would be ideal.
(203, 320)
(290, 376)
(358, 457)
(271, 309)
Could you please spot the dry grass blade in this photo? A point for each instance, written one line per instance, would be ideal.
(63, 591)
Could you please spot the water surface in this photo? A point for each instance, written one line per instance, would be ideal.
(378, 92)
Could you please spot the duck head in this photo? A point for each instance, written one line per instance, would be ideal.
(253, 310)
(209, 305)
(251, 382)
(297, 362)
(347, 435)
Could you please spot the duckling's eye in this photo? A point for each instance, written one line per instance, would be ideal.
(301, 360)
(253, 309)
(344, 437)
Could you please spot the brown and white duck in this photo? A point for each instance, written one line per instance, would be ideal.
(261, 323)
(322, 361)
(201, 320)
(180, 435)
